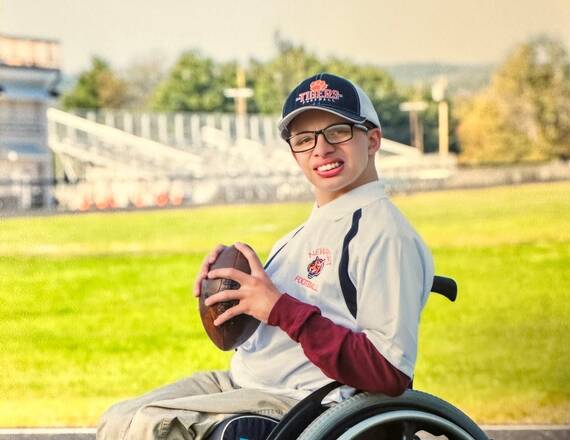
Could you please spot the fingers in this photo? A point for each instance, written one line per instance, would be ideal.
(197, 284)
(206, 263)
(251, 257)
(214, 254)
(233, 274)
(230, 273)
(224, 295)
(229, 314)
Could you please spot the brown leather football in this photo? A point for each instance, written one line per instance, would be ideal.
(237, 330)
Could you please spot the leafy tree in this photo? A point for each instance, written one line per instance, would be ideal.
(196, 83)
(98, 87)
(383, 93)
(485, 134)
(141, 77)
(275, 79)
(525, 114)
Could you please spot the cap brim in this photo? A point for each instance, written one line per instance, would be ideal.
(284, 123)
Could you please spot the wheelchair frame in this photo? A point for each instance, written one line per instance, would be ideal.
(367, 416)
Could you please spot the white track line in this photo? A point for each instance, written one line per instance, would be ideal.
(58, 431)
(524, 427)
(6, 431)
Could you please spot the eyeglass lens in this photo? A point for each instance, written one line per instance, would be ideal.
(334, 134)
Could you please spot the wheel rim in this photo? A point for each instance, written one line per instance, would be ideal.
(406, 416)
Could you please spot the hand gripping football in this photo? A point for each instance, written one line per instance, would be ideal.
(237, 330)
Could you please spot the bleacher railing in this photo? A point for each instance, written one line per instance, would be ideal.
(112, 168)
(184, 129)
(119, 159)
(108, 147)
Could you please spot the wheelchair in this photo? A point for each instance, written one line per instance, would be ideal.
(414, 415)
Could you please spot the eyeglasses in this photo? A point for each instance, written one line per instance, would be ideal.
(334, 134)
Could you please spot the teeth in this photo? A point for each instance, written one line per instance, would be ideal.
(329, 166)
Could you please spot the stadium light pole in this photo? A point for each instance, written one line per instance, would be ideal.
(240, 95)
(438, 94)
(416, 128)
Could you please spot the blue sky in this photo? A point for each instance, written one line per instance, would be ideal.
(375, 31)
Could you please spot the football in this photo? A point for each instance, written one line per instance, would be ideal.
(237, 330)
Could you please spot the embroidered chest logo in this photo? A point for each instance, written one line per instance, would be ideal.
(314, 268)
(318, 260)
(319, 90)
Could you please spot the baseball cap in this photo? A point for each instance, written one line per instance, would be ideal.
(329, 93)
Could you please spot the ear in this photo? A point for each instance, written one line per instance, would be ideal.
(374, 141)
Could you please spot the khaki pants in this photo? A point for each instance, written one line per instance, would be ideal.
(187, 409)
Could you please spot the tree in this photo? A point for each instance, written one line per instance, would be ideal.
(485, 135)
(196, 83)
(142, 77)
(274, 80)
(525, 114)
(382, 91)
(98, 87)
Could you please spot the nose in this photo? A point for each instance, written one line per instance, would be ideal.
(322, 147)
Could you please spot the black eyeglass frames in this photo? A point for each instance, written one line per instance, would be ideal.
(334, 134)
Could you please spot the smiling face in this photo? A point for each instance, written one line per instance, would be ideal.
(335, 169)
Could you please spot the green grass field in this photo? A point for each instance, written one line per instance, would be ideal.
(96, 308)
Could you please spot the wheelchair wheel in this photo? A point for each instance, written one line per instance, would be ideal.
(413, 415)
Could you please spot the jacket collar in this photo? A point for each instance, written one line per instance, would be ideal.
(349, 202)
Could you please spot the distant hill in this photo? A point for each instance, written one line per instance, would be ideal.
(462, 78)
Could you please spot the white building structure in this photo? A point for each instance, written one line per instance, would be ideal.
(29, 74)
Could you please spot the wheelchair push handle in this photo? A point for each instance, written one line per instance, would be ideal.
(445, 286)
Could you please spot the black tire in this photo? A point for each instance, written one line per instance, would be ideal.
(412, 410)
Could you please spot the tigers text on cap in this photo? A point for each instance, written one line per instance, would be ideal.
(329, 93)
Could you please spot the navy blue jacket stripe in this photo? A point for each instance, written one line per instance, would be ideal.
(348, 289)
(279, 250)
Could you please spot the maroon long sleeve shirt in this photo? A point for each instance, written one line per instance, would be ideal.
(343, 355)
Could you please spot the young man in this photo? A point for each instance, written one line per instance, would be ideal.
(339, 298)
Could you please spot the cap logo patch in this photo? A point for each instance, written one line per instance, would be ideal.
(318, 91)
(318, 85)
